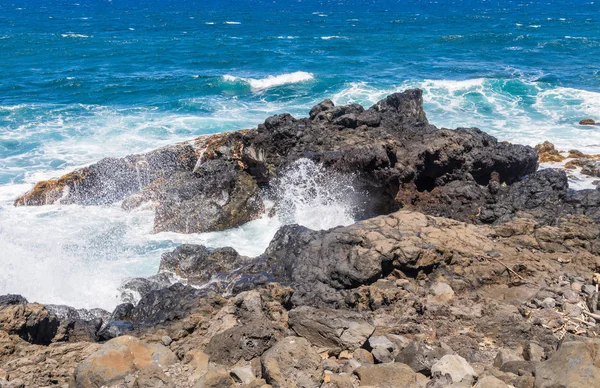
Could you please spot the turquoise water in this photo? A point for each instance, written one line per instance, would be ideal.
(81, 80)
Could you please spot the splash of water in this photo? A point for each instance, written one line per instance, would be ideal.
(309, 195)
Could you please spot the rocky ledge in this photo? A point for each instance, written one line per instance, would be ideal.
(467, 266)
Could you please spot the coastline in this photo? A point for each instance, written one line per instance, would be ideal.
(464, 255)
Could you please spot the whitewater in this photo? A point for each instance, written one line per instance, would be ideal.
(102, 84)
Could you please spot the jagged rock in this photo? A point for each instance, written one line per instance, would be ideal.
(132, 290)
(457, 367)
(198, 265)
(547, 153)
(393, 375)
(167, 304)
(330, 330)
(118, 358)
(587, 122)
(421, 357)
(292, 363)
(321, 265)
(534, 352)
(217, 196)
(111, 179)
(387, 148)
(30, 321)
(575, 364)
(243, 342)
(505, 355)
(114, 329)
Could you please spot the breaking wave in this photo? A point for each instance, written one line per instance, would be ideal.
(272, 80)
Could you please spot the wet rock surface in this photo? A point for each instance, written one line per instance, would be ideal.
(467, 268)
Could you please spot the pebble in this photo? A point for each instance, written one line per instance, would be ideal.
(589, 289)
(548, 303)
(576, 286)
(166, 340)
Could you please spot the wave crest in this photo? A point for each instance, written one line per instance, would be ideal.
(272, 80)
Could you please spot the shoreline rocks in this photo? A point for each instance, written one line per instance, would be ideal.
(468, 267)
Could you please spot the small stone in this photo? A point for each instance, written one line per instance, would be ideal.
(363, 356)
(587, 122)
(490, 382)
(548, 303)
(575, 286)
(345, 355)
(456, 366)
(3, 374)
(382, 355)
(166, 340)
(534, 352)
(216, 378)
(589, 289)
(242, 375)
(571, 296)
(394, 375)
(380, 341)
(441, 292)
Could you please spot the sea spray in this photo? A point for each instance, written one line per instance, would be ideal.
(309, 195)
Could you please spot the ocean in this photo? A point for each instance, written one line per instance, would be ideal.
(83, 80)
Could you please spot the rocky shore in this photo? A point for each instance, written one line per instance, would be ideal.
(467, 267)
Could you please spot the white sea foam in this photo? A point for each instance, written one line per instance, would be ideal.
(517, 110)
(333, 37)
(79, 255)
(74, 35)
(272, 80)
(234, 23)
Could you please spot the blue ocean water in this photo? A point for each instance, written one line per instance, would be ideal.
(81, 80)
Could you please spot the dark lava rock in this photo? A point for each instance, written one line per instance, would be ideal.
(114, 329)
(111, 179)
(174, 302)
(243, 342)
(198, 264)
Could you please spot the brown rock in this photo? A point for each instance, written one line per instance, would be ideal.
(216, 378)
(490, 382)
(587, 122)
(153, 376)
(547, 153)
(363, 356)
(119, 357)
(394, 375)
(292, 363)
(574, 365)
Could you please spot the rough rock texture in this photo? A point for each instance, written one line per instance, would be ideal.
(391, 150)
(395, 375)
(332, 331)
(118, 358)
(575, 364)
(243, 342)
(292, 363)
(111, 179)
(463, 252)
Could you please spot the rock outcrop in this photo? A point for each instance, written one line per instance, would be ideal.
(466, 268)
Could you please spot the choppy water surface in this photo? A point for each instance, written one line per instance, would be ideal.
(81, 80)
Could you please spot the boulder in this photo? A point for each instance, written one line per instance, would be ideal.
(587, 122)
(217, 196)
(421, 357)
(215, 378)
(153, 376)
(490, 382)
(30, 321)
(393, 375)
(322, 266)
(198, 264)
(457, 367)
(575, 364)
(243, 342)
(111, 179)
(330, 330)
(118, 358)
(292, 363)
